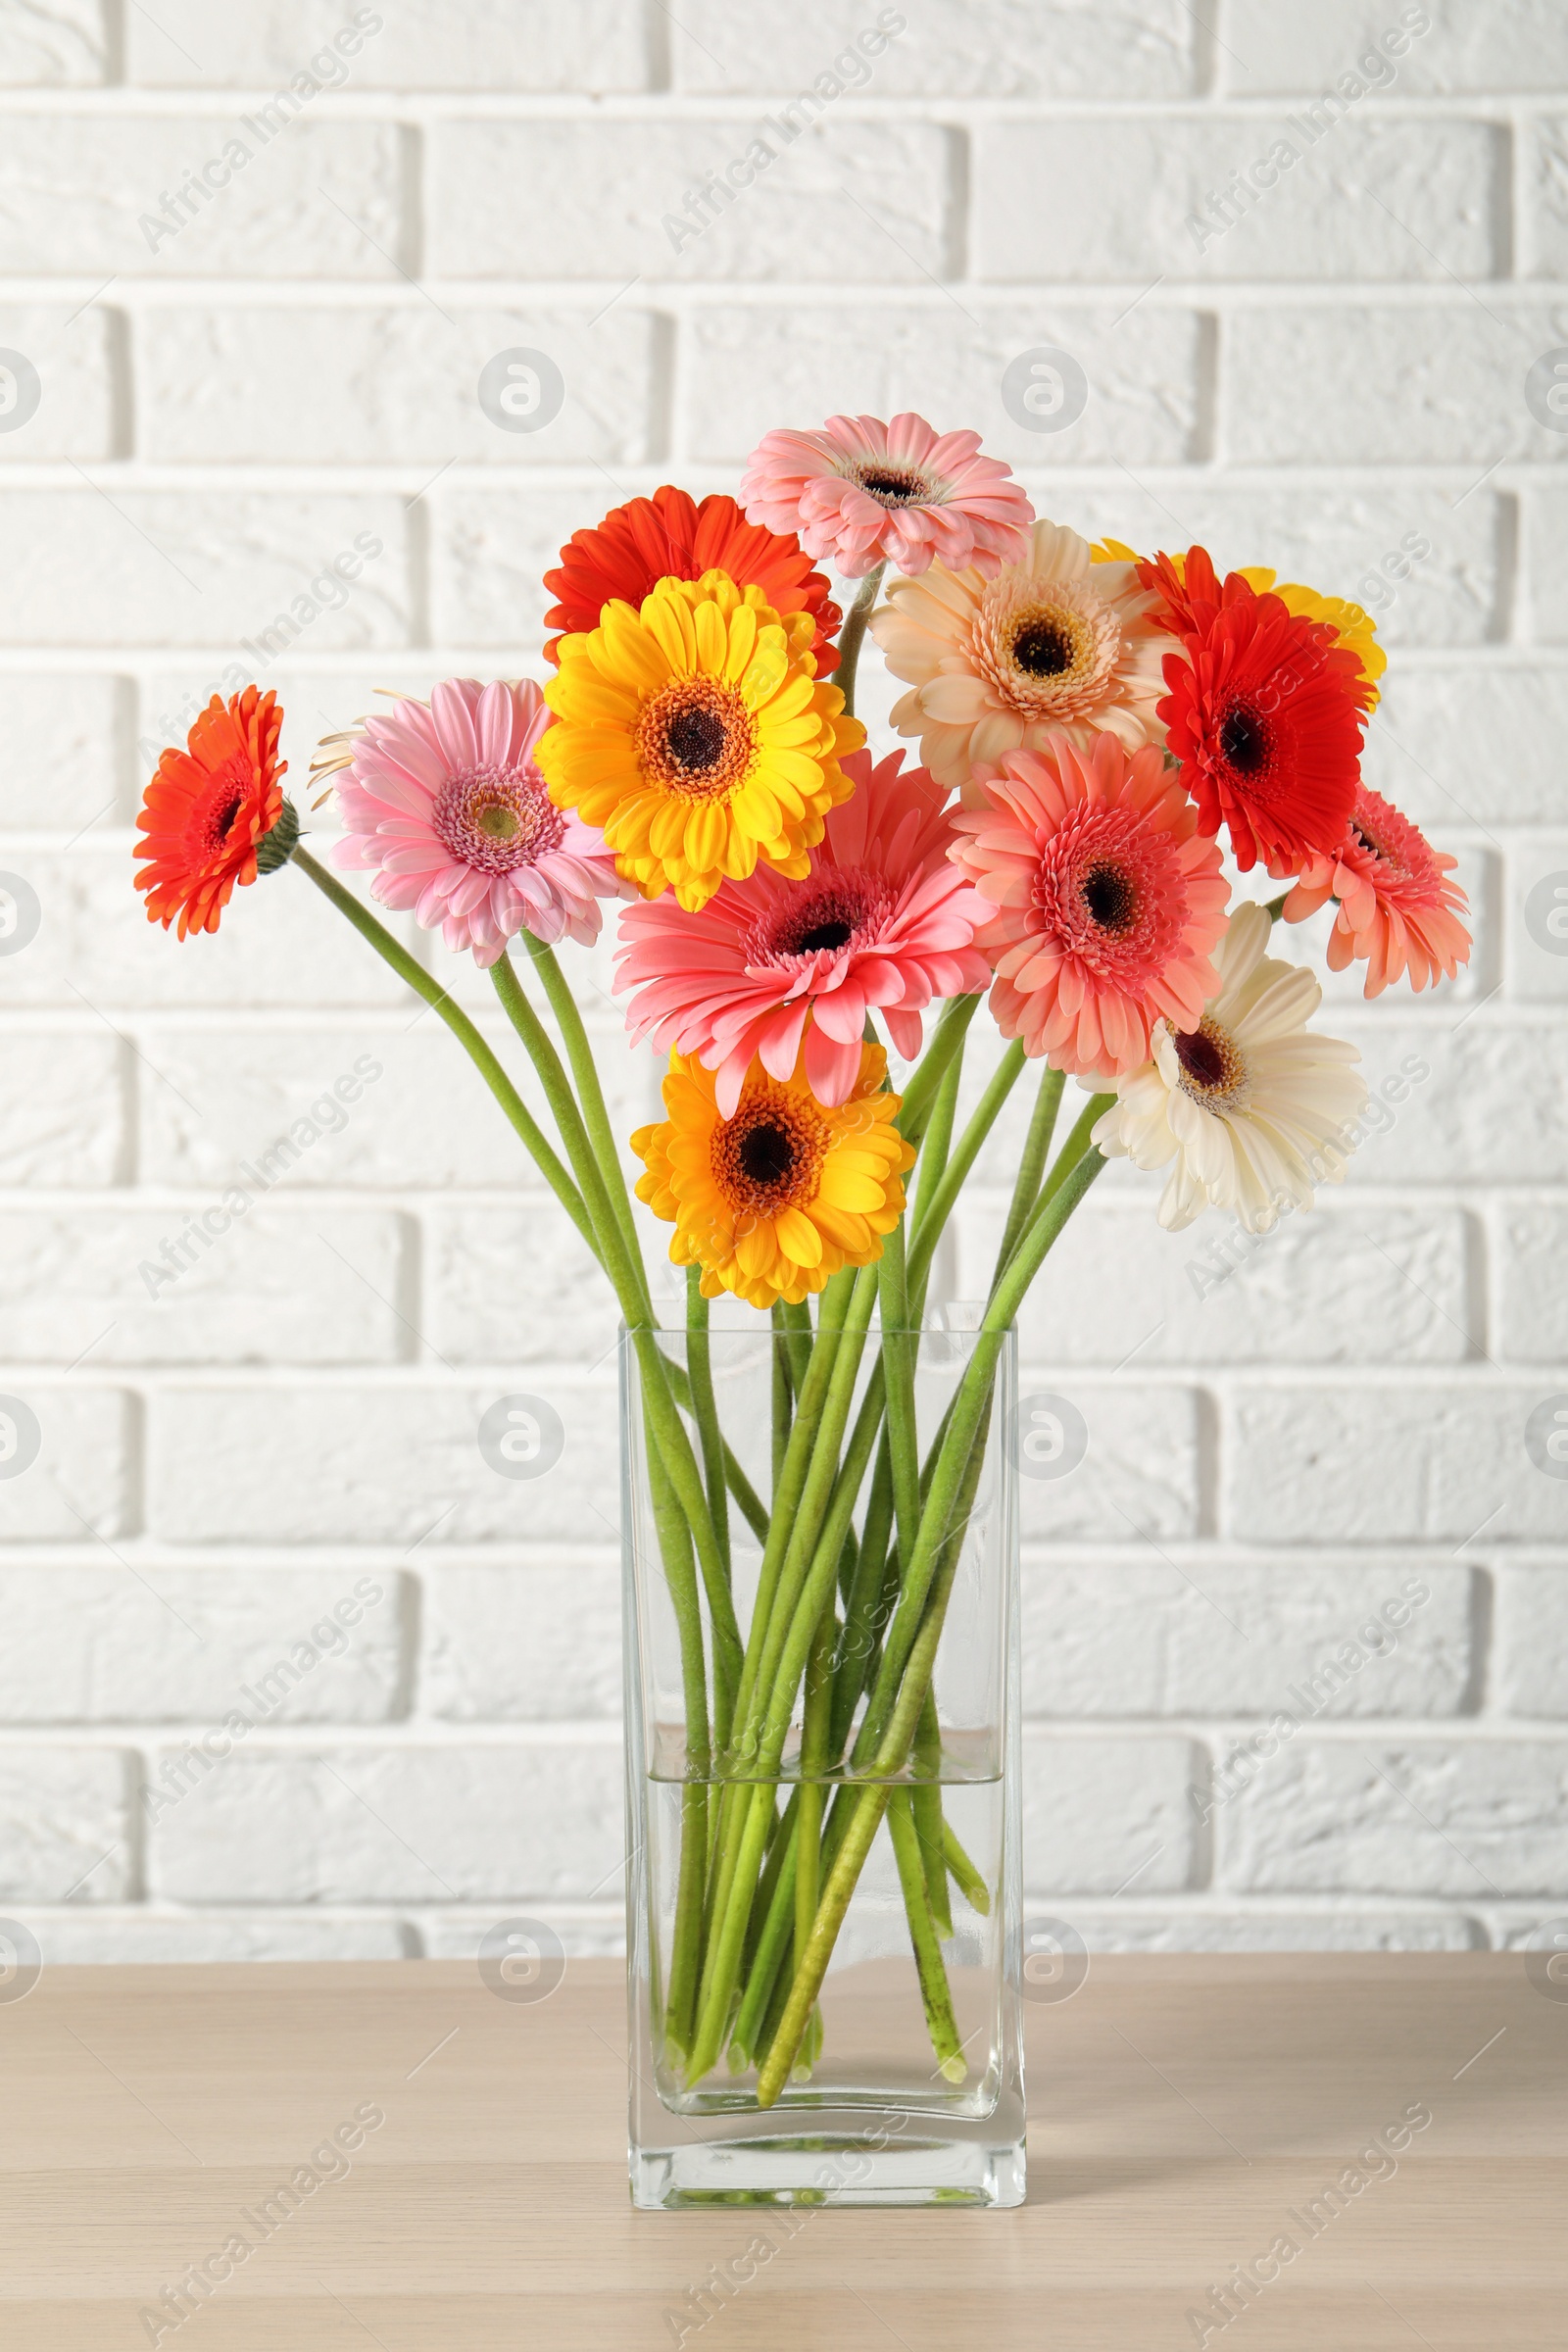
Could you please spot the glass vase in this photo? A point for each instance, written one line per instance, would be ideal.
(904, 2082)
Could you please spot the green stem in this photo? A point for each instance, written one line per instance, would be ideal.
(928, 1232)
(851, 635)
(918, 1099)
(925, 1798)
(934, 1990)
(971, 1885)
(938, 1136)
(704, 1407)
(392, 952)
(783, 1397)
(590, 1093)
(813, 1753)
(675, 1546)
(1032, 1166)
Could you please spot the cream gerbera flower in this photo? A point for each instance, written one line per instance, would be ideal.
(1055, 644)
(1254, 1111)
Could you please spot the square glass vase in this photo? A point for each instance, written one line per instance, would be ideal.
(864, 2047)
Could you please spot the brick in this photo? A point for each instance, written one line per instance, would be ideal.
(81, 1483)
(65, 1827)
(1394, 385)
(1532, 1309)
(1342, 1930)
(364, 385)
(535, 1642)
(1141, 1473)
(348, 1464)
(161, 1644)
(946, 49)
(428, 1119)
(1221, 1637)
(57, 44)
(1099, 1811)
(1424, 1817)
(325, 1286)
(489, 550)
(1347, 1284)
(168, 567)
(526, 45)
(1536, 918)
(1544, 230)
(63, 769)
(95, 949)
(1331, 538)
(1047, 205)
(1472, 741)
(315, 199)
(1491, 1106)
(507, 1286)
(1521, 47)
(418, 1824)
(1421, 1462)
(750, 366)
(65, 1118)
(128, 1938)
(74, 358)
(1546, 519)
(856, 201)
(457, 1935)
(1530, 1641)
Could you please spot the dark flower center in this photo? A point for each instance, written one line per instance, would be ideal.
(1042, 649)
(1243, 739)
(1213, 1069)
(222, 817)
(695, 738)
(767, 1153)
(1111, 898)
(1201, 1057)
(894, 485)
(825, 936)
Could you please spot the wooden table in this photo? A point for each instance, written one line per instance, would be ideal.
(1186, 2111)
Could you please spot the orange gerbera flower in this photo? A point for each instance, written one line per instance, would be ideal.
(208, 812)
(669, 536)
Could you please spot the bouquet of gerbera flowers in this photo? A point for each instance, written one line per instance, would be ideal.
(1092, 723)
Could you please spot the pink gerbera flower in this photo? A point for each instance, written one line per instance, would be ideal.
(863, 493)
(1109, 901)
(445, 801)
(882, 920)
(1397, 909)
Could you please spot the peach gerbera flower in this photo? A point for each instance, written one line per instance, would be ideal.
(1109, 901)
(882, 920)
(1399, 911)
(1055, 644)
(774, 1200)
(865, 493)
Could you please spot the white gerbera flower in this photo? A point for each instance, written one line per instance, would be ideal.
(1254, 1111)
(1053, 644)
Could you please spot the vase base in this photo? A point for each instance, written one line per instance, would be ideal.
(876, 2162)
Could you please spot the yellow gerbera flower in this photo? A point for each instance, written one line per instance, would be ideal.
(771, 1203)
(1356, 629)
(695, 735)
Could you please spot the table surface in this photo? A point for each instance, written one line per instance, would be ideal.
(1185, 2111)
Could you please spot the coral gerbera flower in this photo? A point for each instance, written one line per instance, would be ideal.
(882, 920)
(1253, 1109)
(1264, 712)
(1054, 643)
(865, 493)
(669, 536)
(1397, 909)
(206, 816)
(1107, 901)
(697, 735)
(773, 1201)
(446, 802)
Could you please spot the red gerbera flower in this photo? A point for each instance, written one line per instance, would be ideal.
(209, 808)
(669, 535)
(1264, 713)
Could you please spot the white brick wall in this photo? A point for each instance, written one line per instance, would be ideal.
(224, 410)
